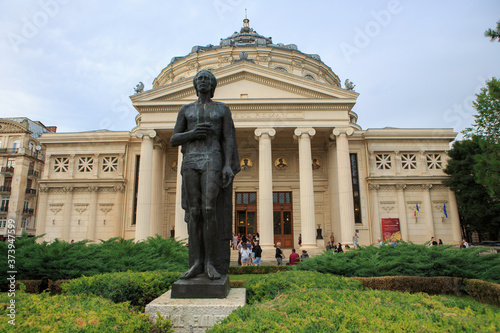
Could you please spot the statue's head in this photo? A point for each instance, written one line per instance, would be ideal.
(201, 79)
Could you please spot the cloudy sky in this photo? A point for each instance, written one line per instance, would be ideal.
(416, 64)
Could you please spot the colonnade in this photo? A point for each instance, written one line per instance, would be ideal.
(149, 181)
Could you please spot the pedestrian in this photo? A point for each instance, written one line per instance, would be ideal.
(339, 248)
(258, 254)
(355, 240)
(235, 242)
(300, 239)
(304, 254)
(245, 255)
(465, 244)
(279, 255)
(329, 246)
(294, 258)
(440, 242)
(380, 242)
(432, 242)
(240, 246)
(332, 239)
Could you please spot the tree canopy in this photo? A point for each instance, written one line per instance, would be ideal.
(493, 34)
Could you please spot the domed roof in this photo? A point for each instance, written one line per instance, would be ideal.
(246, 37)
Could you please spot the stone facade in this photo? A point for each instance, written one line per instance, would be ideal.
(21, 164)
(306, 162)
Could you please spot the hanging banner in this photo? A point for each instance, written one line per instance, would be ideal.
(390, 229)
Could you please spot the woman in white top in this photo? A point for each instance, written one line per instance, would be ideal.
(245, 254)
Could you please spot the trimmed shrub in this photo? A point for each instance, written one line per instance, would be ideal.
(60, 260)
(352, 310)
(266, 288)
(414, 284)
(71, 313)
(138, 288)
(236, 270)
(483, 291)
(32, 286)
(407, 259)
(55, 287)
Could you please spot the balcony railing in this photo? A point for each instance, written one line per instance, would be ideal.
(28, 211)
(5, 189)
(33, 173)
(31, 191)
(9, 150)
(7, 169)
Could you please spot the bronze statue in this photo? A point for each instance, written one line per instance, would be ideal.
(205, 130)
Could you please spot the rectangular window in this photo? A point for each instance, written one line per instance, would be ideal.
(4, 205)
(409, 161)
(109, 163)
(61, 164)
(383, 161)
(85, 164)
(136, 188)
(3, 222)
(355, 188)
(434, 161)
(10, 162)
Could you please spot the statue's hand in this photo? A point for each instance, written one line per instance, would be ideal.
(227, 176)
(201, 131)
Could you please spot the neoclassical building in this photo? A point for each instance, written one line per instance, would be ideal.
(307, 164)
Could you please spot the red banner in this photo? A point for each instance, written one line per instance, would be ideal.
(390, 229)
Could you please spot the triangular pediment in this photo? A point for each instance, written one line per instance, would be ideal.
(248, 80)
(11, 126)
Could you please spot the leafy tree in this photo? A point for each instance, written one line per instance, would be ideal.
(487, 121)
(478, 210)
(487, 132)
(493, 34)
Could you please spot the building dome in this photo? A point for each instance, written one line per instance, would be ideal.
(257, 49)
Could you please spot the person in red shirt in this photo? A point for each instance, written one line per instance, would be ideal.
(294, 258)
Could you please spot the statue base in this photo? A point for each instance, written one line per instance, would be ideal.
(201, 287)
(195, 315)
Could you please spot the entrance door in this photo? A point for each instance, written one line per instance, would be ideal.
(246, 213)
(282, 219)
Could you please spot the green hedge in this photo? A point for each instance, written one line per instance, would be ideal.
(407, 259)
(61, 261)
(71, 313)
(236, 270)
(272, 285)
(483, 291)
(138, 288)
(354, 310)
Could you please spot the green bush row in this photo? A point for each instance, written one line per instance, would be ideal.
(272, 285)
(60, 260)
(407, 259)
(138, 288)
(71, 313)
(315, 302)
(354, 310)
(237, 270)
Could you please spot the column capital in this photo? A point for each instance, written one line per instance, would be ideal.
(348, 131)
(299, 131)
(260, 131)
(145, 132)
(374, 187)
(426, 186)
(43, 189)
(401, 186)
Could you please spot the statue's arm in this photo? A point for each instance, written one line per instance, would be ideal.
(227, 137)
(179, 136)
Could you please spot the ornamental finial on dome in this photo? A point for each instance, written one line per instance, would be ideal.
(246, 20)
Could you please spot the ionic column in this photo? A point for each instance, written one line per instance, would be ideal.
(157, 190)
(346, 204)
(145, 181)
(119, 210)
(307, 218)
(181, 230)
(452, 212)
(42, 210)
(92, 213)
(265, 205)
(429, 220)
(376, 223)
(68, 203)
(403, 221)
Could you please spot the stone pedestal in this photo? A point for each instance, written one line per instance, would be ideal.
(196, 314)
(201, 287)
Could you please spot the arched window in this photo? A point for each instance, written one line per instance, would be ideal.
(310, 77)
(281, 69)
